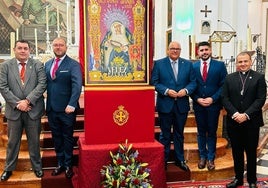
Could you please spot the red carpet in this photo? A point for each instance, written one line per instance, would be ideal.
(262, 183)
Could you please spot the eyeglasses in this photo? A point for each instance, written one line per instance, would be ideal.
(58, 45)
(175, 49)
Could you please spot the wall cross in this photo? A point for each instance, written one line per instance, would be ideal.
(206, 11)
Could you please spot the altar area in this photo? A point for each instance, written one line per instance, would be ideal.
(119, 101)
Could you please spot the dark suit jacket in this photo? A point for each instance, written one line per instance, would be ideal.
(66, 88)
(213, 85)
(163, 78)
(250, 103)
(12, 89)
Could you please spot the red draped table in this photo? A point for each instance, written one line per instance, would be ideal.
(93, 157)
(112, 116)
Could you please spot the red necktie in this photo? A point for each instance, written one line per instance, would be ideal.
(205, 72)
(22, 71)
(55, 68)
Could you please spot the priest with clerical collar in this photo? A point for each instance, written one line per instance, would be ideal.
(243, 95)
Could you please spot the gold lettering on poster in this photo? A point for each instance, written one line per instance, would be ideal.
(127, 2)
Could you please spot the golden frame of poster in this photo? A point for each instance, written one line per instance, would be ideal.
(116, 42)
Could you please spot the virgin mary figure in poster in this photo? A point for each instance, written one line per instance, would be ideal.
(115, 49)
(116, 42)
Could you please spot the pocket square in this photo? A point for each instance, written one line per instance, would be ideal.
(64, 71)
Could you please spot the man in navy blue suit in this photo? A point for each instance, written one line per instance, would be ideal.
(64, 84)
(174, 80)
(210, 76)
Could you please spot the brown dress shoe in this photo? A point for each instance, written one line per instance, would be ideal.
(202, 163)
(211, 165)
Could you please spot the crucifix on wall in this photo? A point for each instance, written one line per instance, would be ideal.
(206, 11)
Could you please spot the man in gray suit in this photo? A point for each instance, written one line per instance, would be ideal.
(22, 84)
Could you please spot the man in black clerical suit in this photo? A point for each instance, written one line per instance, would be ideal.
(243, 95)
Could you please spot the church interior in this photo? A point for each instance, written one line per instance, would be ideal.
(230, 26)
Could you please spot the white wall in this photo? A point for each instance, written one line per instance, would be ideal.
(160, 29)
(234, 13)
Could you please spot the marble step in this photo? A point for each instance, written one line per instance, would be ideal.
(191, 150)
(24, 164)
(79, 125)
(190, 134)
(49, 160)
(224, 170)
(59, 181)
(23, 160)
(22, 179)
(47, 141)
(191, 154)
(24, 144)
(190, 122)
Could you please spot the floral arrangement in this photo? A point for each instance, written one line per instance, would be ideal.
(125, 170)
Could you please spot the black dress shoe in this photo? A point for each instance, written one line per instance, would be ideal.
(5, 175)
(58, 170)
(39, 173)
(182, 165)
(252, 185)
(69, 173)
(235, 183)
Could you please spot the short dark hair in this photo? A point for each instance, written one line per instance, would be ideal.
(244, 53)
(22, 41)
(204, 43)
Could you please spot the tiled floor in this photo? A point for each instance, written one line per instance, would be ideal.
(262, 163)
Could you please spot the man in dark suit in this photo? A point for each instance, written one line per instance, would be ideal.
(243, 95)
(210, 75)
(22, 84)
(174, 80)
(64, 84)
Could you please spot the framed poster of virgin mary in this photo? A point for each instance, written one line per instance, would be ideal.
(116, 42)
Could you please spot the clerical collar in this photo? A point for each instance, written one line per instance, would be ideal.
(244, 73)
